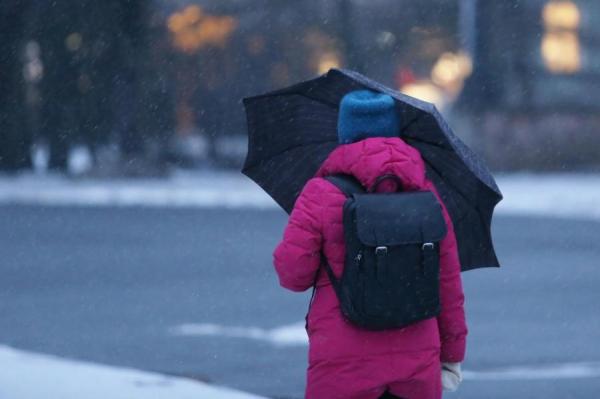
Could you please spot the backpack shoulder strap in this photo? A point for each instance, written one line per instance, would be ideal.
(347, 184)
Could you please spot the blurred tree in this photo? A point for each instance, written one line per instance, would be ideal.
(15, 139)
(495, 46)
(100, 63)
(92, 52)
(130, 29)
(157, 89)
(347, 35)
(59, 32)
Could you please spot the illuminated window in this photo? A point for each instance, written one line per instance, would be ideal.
(561, 52)
(560, 47)
(561, 15)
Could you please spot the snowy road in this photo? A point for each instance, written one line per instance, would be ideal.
(112, 285)
(189, 291)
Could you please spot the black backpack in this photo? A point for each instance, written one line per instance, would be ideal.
(391, 270)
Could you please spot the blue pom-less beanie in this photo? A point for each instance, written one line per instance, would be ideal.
(366, 113)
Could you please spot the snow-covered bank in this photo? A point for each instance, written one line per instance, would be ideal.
(203, 190)
(559, 195)
(28, 375)
(287, 335)
(554, 195)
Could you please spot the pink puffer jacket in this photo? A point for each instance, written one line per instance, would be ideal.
(347, 362)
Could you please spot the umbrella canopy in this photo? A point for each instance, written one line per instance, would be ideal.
(291, 132)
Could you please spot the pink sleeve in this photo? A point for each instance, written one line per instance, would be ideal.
(451, 321)
(298, 256)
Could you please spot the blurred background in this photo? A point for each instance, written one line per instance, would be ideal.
(129, 238)
(134, 87)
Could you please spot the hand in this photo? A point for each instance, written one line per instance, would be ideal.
(451, 376)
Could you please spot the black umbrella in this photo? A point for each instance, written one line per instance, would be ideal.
(292, 131)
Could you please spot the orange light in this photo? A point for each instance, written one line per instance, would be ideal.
(176, 23)
(561, 52)
(560, 47)
(561, 15)
(426, 91)
(328, 61)
(192, 14)
(192, 29)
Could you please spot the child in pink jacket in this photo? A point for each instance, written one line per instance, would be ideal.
(345, 361)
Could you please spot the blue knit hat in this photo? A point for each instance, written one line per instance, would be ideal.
(366, 113)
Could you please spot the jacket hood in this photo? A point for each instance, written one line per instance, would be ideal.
(368, 159)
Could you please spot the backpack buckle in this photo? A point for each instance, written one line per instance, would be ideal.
(381, 251)
(428, 245)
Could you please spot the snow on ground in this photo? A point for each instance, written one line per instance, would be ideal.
(537, 372)
(560, 195)
(288, 335)
(295, 334)
(204, 190)
(557, 195)
(52, 377)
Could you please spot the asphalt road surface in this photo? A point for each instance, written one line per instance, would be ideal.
(109, 285)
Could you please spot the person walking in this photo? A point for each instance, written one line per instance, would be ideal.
(347, 361)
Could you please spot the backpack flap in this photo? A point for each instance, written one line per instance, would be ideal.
(398, 218)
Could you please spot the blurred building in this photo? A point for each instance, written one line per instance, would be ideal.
(519, 78)
(534, 97)
(230, 50)
(163, 79)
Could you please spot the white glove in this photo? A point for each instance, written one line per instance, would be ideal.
(451, 376)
